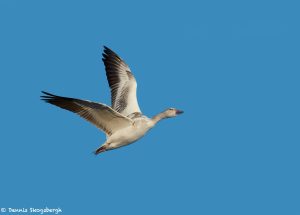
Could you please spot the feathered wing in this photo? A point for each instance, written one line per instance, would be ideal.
(102, 116)
(121, 82)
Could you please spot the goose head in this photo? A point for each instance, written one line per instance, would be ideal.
(172, 112)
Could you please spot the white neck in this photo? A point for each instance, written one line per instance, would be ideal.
(159, 117)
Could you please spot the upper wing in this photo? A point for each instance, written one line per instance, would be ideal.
(102, 116)
(121, 82)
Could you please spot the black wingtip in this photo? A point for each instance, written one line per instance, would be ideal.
(51, 98)
(109, 54)
(48, 97)
(46, 93)
(107, 50)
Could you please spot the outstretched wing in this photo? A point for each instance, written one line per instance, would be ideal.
(121, 82)
(102, 116)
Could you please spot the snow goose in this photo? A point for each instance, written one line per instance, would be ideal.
(123, 122)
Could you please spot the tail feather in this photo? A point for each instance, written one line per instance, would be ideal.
(100, 150)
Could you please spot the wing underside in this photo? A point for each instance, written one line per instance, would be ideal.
(121, 82)
(102, 116)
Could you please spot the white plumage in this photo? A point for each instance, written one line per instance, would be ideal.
(123, 123)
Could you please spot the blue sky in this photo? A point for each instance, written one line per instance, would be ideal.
(232, 66)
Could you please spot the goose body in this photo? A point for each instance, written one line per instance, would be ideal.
(123, 122)
(128, 135)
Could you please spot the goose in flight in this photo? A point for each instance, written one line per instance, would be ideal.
(123, 122)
